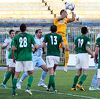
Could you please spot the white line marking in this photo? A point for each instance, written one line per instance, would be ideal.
(61, 93)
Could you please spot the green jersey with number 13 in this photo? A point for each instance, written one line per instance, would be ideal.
(53, 41)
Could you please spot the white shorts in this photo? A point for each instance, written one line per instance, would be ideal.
(51, 60)
(11, 63)
(24, 66)
(37, 61)
(82, 61)
(7, 61)
(98, 73)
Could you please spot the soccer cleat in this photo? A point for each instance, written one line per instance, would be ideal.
(28, 91)
(55, 91)
(65, 68)
(3, 85)
(47, 89)
(92, 88)
(73, 89)
(80, 87)
(18, 85)
(42, 84)
(15, 94)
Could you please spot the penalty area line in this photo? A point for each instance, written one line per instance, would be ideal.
(59, 93)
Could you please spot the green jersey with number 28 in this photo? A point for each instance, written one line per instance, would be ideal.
(23, 42)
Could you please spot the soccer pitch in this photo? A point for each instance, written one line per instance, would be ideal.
(63, 84)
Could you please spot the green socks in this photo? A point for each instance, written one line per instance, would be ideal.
(14, 86)
(82, 79)
(75, 81)
(30, 80)
(51, 82)
(8, 74)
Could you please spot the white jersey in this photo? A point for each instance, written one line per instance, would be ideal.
(39, 51)
(98, 36)
(7, 41)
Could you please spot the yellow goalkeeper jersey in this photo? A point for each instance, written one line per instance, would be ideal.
(61, 26)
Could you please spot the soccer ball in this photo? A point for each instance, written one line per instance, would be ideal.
(69, 6)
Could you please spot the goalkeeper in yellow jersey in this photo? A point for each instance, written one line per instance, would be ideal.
(61, 23)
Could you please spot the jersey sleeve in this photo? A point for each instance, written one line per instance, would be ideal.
(13, 42)
(32, 40)
(56, 21)
(66, 20)
(5, 42)
(88, 42)
(61, 40)
(45, 39)
(98, 42)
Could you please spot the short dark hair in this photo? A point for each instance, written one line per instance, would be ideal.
(37, 31)
(84, 30)
(63, 10)
(23, 27)
(53, 28)
(10, 31)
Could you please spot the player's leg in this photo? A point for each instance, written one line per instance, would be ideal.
(9, 72)
(30, 70)
(24, 75)
(84, 62)
(51, 60)
(98, 75)
(42, 64)
(76, 78)
(7, 76)
(78, 73)
(18, 69)
(94, 85)
(66, 55)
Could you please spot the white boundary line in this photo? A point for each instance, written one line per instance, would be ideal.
(60, 93)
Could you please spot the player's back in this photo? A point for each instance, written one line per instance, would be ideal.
(80, 44)
(53, 41)
(23, 42)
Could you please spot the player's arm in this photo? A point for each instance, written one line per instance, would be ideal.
(13, 47)
(5, 44)
(96, 54)
(89, 51)
(73, 18)
(13, 51)
(64, 46)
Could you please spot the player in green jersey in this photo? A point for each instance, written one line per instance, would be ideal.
(53, 41)
(97, 59)
(11, 65)
(82, 48)
(22, 53)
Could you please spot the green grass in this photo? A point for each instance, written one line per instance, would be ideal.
(63, 84)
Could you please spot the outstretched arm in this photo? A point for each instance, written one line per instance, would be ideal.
(73, 17)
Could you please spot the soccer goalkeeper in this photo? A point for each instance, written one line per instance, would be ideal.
(61, 23)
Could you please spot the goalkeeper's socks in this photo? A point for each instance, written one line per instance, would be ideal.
(30, 80)
(75, 81)
(82, 79)
(8, 74)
